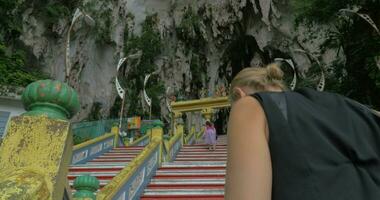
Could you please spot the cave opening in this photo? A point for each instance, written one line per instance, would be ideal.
(239, 54)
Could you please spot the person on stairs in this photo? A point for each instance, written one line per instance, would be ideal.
(209, 136)
(303, 144)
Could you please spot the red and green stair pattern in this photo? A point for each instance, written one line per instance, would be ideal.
(106, 166)
(196, 173)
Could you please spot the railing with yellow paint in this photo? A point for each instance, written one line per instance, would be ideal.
(36, 152)
(191, 137)
(142, 141)
(88, 130)
(93, 148)
(205, 107)
(172, 147)
(131, 181)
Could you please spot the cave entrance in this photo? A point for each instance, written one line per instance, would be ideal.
(240, 53)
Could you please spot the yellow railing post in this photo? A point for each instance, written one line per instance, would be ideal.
(115, 130)
(157, 135)
(207, 114)
(178, 124)
(36, 152)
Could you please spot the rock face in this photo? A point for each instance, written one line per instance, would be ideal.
(205, 43)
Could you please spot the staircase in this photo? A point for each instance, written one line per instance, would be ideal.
(196, 173)
(106, 166)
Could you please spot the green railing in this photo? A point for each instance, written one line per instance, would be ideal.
(84, 131)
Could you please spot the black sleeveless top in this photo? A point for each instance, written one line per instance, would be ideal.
(323, 146)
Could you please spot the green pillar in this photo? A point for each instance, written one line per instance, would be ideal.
(85, 187)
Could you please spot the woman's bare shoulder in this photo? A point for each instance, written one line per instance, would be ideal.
(247, 105)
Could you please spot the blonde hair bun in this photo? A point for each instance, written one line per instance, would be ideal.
(274, 72)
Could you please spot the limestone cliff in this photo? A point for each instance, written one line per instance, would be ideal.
(204, 43)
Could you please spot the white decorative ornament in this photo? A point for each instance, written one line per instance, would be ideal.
(146, 97)
(363, 16)
(377, 60)
(90, 21)
(322, 80)
(119, 89)
(290, 62)
(167, 100)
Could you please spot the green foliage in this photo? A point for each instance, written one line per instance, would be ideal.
(358, 76)
(155, 88)
(50, 11)
(149, 42)
(10, 20)
(189, 30)
(319, 10)
(13, 71)
(100, 11)
(116, 107)
(198, 72)
(95, 112)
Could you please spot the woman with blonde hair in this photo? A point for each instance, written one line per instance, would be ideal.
(299, 145)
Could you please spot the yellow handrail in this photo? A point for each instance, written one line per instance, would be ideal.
(199, 134)
(169, 144)
(93, 141)
(200, 104)
(111, 189)
(137, 141)
(189, 136)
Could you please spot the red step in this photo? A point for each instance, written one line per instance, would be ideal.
(186, 186)
(184, 176)
(178, 197)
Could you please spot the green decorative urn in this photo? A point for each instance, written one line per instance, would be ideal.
(85, 187)
(158, 123)
(55, 99)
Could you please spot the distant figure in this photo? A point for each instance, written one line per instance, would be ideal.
(210, 136)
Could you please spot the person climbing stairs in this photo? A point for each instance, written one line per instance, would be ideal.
(196, 173)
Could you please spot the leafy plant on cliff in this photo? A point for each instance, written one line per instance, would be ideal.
(102, 13)
(358, 76)
(190, 33)
(198, 71)
(319, 10)
(50, 12)
(189, 30)
(149, 42)
(13, 69)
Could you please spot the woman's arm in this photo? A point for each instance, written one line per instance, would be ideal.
(249, 169)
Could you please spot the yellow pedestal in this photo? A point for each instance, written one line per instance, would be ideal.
(34, 159)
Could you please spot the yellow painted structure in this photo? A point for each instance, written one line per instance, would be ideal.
(206, 106)
(34, 159)
(200, 104)
(190, 135)
(134, 143)
(207, 113)
(168, 145)
(111, 189)
(93, 141)
(115, 131)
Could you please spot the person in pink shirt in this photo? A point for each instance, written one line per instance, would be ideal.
(210, 136)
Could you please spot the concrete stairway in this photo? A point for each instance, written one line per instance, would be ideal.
(106, 166)
(196, 173)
